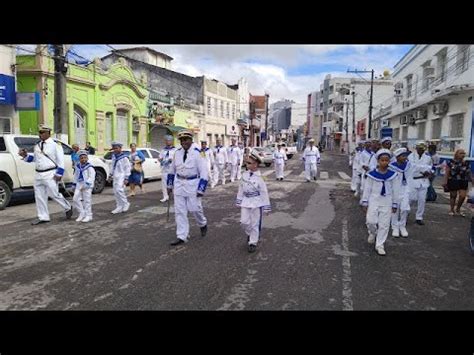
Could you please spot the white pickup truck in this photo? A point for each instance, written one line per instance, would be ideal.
(17, 176)
(290, 150)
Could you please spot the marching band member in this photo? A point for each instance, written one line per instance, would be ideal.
(84, 178)
(404, 170)
(221, 161)
(166, 158)
(279, 157)
(311, 158)
(121, 169)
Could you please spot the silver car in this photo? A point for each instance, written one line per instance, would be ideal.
(265, 154)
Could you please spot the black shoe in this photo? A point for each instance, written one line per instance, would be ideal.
(252, 248)
(248, 238)
(178, 242)
(69, 214)
(203, 231)
(38, 221)
(314, 178)
(420, 222)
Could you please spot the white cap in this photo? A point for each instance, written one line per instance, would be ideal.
(117, 144)
(386, 139)
(381, 152)
(82, 152)
(400, 151)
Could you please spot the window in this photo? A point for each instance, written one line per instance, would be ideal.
(396, 134)
(233, 111)
(215, 108)
(462, 61)
(67, 150)
(145, 153)
(457, 123)
(108, 128)
(154, 154)
(27, 143)
(209, 106)
(222, 109)
(428, 75)
(227, 111)
(5, 125)
(442, 63)
(421, 130)
(409, 80)
(436, 128)
(3, 148)
(404, 133)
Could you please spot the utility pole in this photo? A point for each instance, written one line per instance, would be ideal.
(371, 94)
(266, 119)
(347, 125)
(60, 99)
(353, 115)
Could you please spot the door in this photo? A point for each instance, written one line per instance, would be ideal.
(122, 127)
(26, 171)
(155, 163)
(80, 129)
(108, 129)
(157, 137)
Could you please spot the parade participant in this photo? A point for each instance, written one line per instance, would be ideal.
(90, 149)
(187, 180)
(239, 168)
(404, 170)
(375, 146)
(457, 178)
(422, 170)
(48, 156)
(166, 158)
(207, 154)
(221, 161)
(75, 155)
(364, 159)
(311, 158)
(253, 200)
(119, 174)
(84, 178)
(279, 157)
(380, 200)
(356, 175)
(136, 177)
(234, 155)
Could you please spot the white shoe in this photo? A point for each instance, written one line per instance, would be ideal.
(380, 250)
(164, 199)
(395, 232)
(117, 210)
(126, 207)
(87, 219)
(371, 239)
(80, 218)
(403, 232)
(356, 194)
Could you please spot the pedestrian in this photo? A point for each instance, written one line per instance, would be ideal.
(120, 172)
(241, 162)
(90, 149)
(422, 171)
(403, 168)
(380, 200)
(207, 154)
(166, 158)
(279, 157)
(84, 178)
(311, 158)
(136, 177)
(187, 180)
(374, 148)
(356, 175)
(75, 155)
(364, 160)
(457, 177)
(221, 161)
(48, 156)
(233, 154)
(253, 200)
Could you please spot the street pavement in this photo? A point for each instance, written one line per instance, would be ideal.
(313, 254)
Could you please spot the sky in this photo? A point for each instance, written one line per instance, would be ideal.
(282, 71)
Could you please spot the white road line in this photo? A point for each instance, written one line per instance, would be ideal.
(344, 175)
(266, 173)
(301, 175)
(287, 173)
(324, 175)
(346, 270)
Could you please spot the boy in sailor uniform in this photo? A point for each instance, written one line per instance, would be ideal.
(233, 154)
(279, 157)
(404, 170)
(380, 200)
(364, 158)
(311, 158)
(207, 154)
(239, 168)
(119, 173)
(188, 180)
(356, 175)
(221, 161)
(166, 158)
(253, 199)
(84, 177)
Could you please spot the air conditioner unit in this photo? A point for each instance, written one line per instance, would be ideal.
(398, 92)
(404, 120)
(420, 114)
(440, 108)
(411, 119)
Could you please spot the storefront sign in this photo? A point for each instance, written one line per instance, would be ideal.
(7, 90)
(28, 101)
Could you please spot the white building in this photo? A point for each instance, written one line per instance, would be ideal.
(314, 116)
(433, 98)
(9, 121)
(143, 54)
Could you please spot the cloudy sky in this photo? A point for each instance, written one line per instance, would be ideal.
(284, 71)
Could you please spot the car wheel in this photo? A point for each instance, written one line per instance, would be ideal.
(268, 164)
(100, 182)
(290, 156)
(5, 195)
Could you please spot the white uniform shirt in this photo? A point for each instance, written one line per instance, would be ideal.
(233, 154)
(404, 176)
(121, 166)
(166, 157)
(84, 175)
(209, 156)
(373, 189)
(55, 162)
(253, 192)
(279, 157)
(189, 177)
(311, 155)
(221, 155)
(364, 159)
(420, 165)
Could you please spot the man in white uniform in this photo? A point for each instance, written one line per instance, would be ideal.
(221, 161)
(207, 154)
(356, 175)
(311, 158)
(166, 158)
(49, 164)
(188, 180)
(234, 157)
(279, 157)
(119, 173)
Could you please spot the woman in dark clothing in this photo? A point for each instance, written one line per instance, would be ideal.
(457, 177)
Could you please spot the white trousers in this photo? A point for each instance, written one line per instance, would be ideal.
(251, 220)
(84, 207)
(399, 219)
(239, 171)
(233, 172)
(419, 195)
(310, 170)
(43, 190)
(355, 182)
(183, 205)
(119, 192)
(279, 168)
(219, 173)
(378, 222)
(164, 186)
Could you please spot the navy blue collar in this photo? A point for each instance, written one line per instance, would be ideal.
(378, 176)
(168, 147)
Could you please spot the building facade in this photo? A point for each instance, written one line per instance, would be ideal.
(9, 122)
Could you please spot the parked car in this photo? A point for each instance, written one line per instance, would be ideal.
(17, 176)
(265, 154)
(151, 166)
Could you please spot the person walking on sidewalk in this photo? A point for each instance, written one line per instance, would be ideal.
(311, 158)
(457, 177)
(221, 161)
(356, 175)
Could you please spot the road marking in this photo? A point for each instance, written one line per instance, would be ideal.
(344, 175)
(302, 174)
(346, 271)
(266, 173)
(324, 175)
